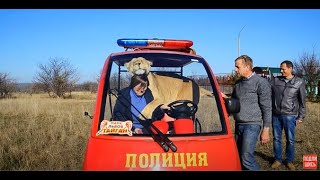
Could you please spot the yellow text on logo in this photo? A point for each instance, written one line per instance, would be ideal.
(182, 160)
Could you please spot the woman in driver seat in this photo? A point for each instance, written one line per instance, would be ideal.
(133, 98)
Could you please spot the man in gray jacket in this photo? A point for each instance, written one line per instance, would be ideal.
(288, 104)
(254, 119)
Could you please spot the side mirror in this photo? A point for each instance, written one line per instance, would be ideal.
(87, 114)
(232, 105)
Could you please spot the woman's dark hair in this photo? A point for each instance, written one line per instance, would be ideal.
(139, 78)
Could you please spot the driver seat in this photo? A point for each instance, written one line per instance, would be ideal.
(181, 125)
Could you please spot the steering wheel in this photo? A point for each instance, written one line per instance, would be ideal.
(182, 109)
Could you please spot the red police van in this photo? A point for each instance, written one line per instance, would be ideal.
(202, 140)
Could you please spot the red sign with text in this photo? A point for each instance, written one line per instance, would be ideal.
(310, 161)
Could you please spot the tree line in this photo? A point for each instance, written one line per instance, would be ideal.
(58, 78)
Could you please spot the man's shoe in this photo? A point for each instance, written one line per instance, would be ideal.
(276, 164)
(291, 166)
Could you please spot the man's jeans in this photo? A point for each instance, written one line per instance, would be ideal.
(246, 137)
(288, 123)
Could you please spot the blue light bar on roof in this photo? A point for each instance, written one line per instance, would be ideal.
(154, 43)
(132, 42)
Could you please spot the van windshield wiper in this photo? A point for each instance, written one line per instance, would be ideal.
(162, 139)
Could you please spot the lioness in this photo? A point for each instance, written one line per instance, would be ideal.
(165, 89)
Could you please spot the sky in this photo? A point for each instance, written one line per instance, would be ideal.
(86, 37)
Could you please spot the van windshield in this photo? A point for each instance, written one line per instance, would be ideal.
(182, 81)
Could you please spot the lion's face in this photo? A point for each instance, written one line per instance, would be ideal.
(138, 66)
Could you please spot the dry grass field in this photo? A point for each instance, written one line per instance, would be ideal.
(41, 133)
(307, 141)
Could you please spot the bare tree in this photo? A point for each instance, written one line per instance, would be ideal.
(7, 85)
(90, 86)
(57, 77)
(115, 83)
(98, 76)
(308, 67)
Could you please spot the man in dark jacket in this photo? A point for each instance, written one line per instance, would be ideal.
(288, 106)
